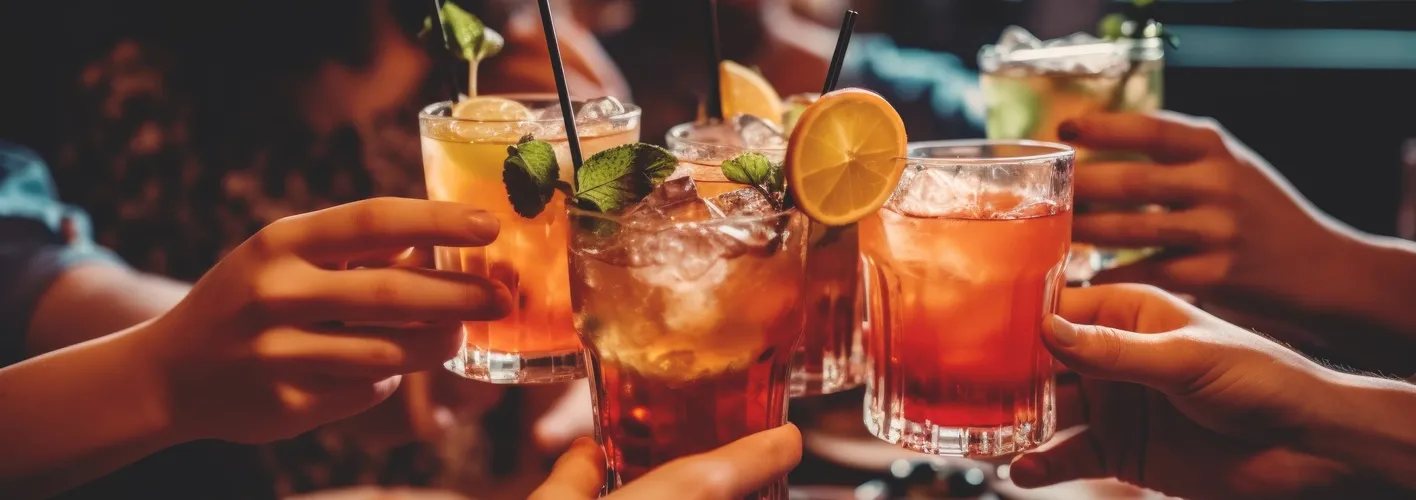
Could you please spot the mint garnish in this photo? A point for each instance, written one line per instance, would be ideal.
(749, 168)
(465, 37)
(755, 170)
(468, 38)
(615, 178)
(530, 173)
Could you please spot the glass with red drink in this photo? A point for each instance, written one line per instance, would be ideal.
(964, 264)
(690, 308)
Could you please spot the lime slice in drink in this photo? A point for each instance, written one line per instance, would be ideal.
(1013, 108)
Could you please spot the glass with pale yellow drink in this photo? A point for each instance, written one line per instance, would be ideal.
(464, 150)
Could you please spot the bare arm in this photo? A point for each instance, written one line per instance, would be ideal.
(1383, 282)
(81, 412)
(1365, 422)
(93, 300)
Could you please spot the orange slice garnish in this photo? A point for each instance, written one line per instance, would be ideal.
(845, 156)
(747, 92)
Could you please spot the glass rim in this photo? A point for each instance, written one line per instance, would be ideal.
(573, 211)
(668, 136)
(1099, 47)
(631, 110)
(1059, 151)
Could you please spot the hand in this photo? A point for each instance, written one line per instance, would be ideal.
(1178, 401)
(727, 473)
(1234, 225)
(262, 348)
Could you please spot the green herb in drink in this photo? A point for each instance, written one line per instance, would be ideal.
(608, 182)
(466, 38)
(758, 172)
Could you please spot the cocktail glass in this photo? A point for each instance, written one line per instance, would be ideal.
(1032, 87)
(690, 313)
(963, 265)
(830, 358)
(463, 160)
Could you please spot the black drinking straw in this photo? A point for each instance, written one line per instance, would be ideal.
(549, 26)
(839, 58)
(714, 101)
(447, 43)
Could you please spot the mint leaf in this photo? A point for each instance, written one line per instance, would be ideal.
(749, 168)
(615, 178)
(778, 179)
(530, 173)
(467, 37)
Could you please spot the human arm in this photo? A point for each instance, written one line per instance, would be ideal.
(727, 473)
(61, 288)
(261, 349)
(1365, 423)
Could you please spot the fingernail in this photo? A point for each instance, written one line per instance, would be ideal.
(1063, 332)
(485, 226)
(1068, 131)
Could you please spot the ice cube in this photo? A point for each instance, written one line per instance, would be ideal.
(757, 133)
(552, 112)
(1079, 53)
(690, 210)
(676, 189)
(599, 109)
(743, 202)
(1017, 37)
(715, 133)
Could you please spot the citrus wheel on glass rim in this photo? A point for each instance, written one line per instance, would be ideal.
(845, 156)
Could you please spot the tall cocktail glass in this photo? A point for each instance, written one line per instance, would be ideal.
(463, 160)
(830, 358)
(689, 314)
(963, 265)
(1032, 87)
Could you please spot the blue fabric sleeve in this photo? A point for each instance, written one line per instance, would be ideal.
(935, 93)
(40, 238)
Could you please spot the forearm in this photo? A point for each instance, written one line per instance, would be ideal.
(75, 414)
(91, 301)
(1364, 422)
(1381, 284)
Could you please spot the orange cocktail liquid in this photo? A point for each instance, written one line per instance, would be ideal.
(528, 256)
(956, 306)
(827, 360)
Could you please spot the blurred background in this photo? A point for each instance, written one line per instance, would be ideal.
(185, 126)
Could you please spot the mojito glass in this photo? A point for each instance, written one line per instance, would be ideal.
(1032, 87)
(963, 265)
(690, 308)
(463, 161)
(831, 357)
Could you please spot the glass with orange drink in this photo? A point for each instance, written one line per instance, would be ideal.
(964, 263)
(830, 357)
(464, 148)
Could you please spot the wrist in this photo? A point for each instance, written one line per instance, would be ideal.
(150, 376)
(1362, 422)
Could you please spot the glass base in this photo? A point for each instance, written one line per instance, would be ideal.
(517, 368)
(834, 377)
(966, 442)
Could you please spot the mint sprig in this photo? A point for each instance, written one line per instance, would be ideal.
(468, 39)
(608, 182)
(616, 178)
(530, 173)
(757, 171)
